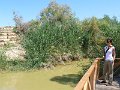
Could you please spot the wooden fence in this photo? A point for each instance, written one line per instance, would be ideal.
(88, 81)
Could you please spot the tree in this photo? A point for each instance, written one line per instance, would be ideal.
(58, 35)
(111, 29)
(55, 12)
(92, 37)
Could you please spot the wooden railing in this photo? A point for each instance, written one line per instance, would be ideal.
(88, 81)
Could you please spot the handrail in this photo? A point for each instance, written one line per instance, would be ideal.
(88, 81)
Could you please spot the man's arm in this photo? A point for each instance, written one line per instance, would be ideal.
(114, 53)
(104, 54)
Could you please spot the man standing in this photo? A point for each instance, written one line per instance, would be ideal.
(109, 57)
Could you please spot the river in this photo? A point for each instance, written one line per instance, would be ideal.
(63, 77)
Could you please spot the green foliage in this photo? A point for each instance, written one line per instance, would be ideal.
(10, 65)
(111, 29)
(2, 60)
(55, 12)
(48, 40)
(92, 38)
(57, 33)
(85, 65)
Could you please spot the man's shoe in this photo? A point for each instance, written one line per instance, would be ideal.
(103, 81)
(109, 84)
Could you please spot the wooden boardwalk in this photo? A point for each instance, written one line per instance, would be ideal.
(115, 86)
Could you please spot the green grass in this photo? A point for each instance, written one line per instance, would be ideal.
(60, 78)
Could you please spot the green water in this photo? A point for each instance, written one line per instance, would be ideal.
(60, 78)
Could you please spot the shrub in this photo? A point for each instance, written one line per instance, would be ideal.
(51, 42)
(2, 60)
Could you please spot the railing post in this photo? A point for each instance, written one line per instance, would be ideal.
(98, 68)
(95, 76)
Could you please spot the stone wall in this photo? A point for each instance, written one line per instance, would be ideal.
(7, 35)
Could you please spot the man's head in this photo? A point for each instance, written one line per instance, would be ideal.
(109, 41)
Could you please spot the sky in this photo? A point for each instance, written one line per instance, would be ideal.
(30, 9)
